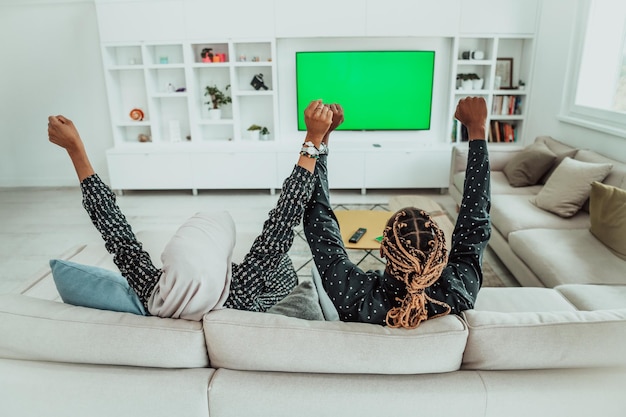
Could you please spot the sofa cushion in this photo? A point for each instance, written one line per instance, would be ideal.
(540, 340)
(567, 256)
(196, 268)
(569, 186)
(251, 341)
(510, 213)
(617, 176)
(90, 286)
(34, 329)
(529, 165)
(521, 299)
(302, 302)
(594, 297)
(607, 215)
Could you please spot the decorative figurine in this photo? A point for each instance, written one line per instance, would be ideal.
(207, 55)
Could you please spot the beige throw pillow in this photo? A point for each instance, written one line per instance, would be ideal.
(529, 165)
(569, 186)
(607, 210)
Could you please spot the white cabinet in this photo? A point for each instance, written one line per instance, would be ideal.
(233, 170)
(147, 20)
(156, 79)
(503, 65)
(413, 17)
(506, 17)
(418, 168)
(149, 171)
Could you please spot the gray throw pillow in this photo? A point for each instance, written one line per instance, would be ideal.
(529, 165)
(302, 303)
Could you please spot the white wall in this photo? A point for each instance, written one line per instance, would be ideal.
(51, 64)
(555, 31)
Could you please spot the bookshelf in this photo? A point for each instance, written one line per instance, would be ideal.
(503, 64)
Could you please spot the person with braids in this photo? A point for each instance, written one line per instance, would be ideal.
(421, 280)
(264, 277)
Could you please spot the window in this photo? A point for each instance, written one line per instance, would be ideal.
(597, 98)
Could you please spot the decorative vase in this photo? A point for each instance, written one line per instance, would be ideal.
(477, 84)
(265, 137)
(254, 134)
(466, 84)
(215, 114)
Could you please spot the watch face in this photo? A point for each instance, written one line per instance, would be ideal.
(310, 151)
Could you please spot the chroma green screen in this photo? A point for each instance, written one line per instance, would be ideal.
(378, 90)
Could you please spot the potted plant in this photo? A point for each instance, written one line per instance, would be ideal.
(470, 81)
(265, 133)
(217, 100)
(254, 131)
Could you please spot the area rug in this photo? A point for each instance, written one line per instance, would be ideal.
(302, 260)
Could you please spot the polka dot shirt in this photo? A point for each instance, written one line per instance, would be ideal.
(366, 296)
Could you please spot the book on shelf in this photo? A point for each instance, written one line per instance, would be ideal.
(459, 132)
(502, 132)
(506, 105)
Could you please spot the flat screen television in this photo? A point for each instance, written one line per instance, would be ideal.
(378, 90)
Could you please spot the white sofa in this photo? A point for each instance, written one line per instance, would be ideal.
(538, 247)
(521, 352)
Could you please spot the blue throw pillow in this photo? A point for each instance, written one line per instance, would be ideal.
(90, 286)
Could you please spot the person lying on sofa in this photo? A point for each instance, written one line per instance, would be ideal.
(420, 280)
(188, 287)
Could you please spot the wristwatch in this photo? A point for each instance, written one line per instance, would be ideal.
(309, 150)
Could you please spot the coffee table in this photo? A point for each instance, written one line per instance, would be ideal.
(373, 220)
(376, 220)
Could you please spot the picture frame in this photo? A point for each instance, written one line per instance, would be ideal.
(504, 70)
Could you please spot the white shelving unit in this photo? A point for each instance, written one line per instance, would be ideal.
(506, 106)
(167, 82)
(149, 76)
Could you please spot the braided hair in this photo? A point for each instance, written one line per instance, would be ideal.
(415, 249)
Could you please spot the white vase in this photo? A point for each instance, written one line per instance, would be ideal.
(477, 84)
(265, 137)
(254, 134)
(215, 114)
(466, 84)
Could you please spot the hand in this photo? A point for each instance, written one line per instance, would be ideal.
(472, 112)
(318, 119)
(62, 132)
(337, 111)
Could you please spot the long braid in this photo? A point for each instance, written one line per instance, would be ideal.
(415, 249)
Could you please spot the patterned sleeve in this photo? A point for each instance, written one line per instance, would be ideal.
(462, 278)
(133, 262)
(266, 255)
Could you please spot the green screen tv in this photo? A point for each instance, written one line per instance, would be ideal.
(378, 90)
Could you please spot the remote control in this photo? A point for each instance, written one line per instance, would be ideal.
(357, 235)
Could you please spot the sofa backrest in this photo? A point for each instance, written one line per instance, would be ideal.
(34, 329)
(249, 341)
(544, 340)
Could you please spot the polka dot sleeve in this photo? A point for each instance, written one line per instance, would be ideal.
(462, 278)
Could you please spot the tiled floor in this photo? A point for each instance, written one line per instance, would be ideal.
(37, 224)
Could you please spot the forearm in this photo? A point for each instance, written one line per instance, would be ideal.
(81, 162)
(473, 229)
(277, 234)
(320, 224)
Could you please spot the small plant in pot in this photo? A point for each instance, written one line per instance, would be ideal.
(265, 133)
(254, 131)
(217, 100)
